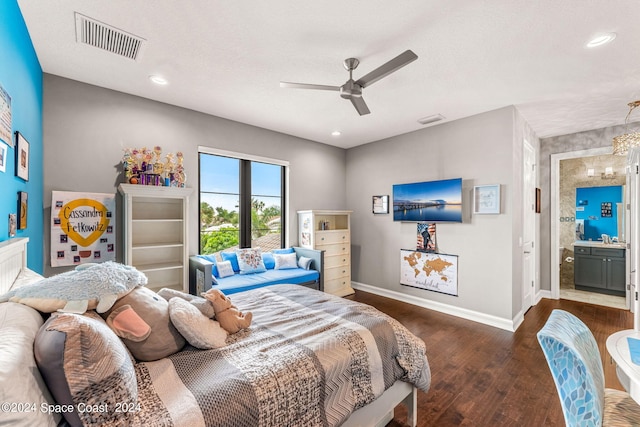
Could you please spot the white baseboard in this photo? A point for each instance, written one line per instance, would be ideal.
(497, 322)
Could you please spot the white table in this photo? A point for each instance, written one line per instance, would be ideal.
(628, 372)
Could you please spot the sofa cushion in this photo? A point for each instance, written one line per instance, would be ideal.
(239, 283)
(269, 260)
(250, 261)
(285, 261)
(225, 269)
(283, 251)
(304, 262)
(233, 258)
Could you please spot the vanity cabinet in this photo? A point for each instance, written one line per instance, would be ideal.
(599, 269)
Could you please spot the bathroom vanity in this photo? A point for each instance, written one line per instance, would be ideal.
(600, 267)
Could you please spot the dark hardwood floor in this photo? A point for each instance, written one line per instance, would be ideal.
(485, 376)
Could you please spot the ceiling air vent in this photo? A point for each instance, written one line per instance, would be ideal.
(103, 36)
(431, 119)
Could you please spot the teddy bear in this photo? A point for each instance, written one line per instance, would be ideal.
(227, 314)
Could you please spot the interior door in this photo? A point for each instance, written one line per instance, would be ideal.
(632, 232)
(529, 227)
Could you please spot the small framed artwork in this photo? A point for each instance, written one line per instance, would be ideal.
(22, 157)
(486, 199)
(13, 224)
(3, 157)
(23, 202)
(381, 204)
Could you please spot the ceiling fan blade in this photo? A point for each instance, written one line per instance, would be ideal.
(308, 86)
(360, 105)
(387, 68)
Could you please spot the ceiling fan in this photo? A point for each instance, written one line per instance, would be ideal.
(352, 90)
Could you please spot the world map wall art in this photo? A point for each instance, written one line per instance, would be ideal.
(431, 271)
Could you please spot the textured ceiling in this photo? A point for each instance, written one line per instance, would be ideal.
(227, 58)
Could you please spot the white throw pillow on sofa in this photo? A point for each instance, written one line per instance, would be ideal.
(225, 269)
(285, 261)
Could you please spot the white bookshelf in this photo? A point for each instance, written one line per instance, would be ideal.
(156, 239)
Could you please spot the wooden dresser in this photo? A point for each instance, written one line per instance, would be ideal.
(329, 231)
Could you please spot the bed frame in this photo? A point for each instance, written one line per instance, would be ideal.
(13, 261)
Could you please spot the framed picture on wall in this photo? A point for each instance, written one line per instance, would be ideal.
(381, 204)
(22, 157)
(3, 157)
(486, 199)
(23, 201)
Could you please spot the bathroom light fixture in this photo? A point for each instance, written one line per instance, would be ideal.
(159, 80)
(336, 133)
(608, 173)
(601, 39)
(622, 143)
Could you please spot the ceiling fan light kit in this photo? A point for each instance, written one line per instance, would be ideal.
(352, 90)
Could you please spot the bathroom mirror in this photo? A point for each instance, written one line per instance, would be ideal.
(600, 211)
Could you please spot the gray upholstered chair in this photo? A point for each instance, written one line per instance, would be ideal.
(574, 359)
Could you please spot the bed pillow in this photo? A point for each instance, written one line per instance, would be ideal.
(250, 261)
(304, 262)
(83, 361)
(231, 257)
(214, 260)
(199, 331)
(225, 269)
(285, 261)
(20, 380)
(269, 260)
(283, 251)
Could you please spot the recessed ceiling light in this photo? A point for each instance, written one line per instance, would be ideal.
(159, 80)
(601, 39)
(336, 133)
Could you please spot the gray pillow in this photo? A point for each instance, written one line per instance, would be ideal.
(304, 262)
(83, 361)
(20, 380)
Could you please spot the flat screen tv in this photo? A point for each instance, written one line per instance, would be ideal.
(431, 201)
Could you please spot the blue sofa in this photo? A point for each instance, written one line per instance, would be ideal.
(201, 275)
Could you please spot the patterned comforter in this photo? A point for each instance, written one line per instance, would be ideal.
(309, 359)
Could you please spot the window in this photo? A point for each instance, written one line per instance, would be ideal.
(241, 202)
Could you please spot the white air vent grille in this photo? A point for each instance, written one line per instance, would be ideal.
(431, 119)
(103, 36)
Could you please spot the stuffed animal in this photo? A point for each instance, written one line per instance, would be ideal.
(227, 314)
(200, 303)
(95, 286)
(142, 320)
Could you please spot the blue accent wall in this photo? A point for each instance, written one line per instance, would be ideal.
(21, 78)
(590, 200)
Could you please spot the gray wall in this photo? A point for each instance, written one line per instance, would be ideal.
(482, 149)
(563, 144)
(87, 127)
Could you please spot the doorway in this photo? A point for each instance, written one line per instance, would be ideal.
(568, 172)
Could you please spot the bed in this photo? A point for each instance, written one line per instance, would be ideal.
(308, 359)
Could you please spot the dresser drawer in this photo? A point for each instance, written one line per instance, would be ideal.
(584, 250)
(329, 237)
(336, 272)
(335, 249)
(336, 260)
(340, 286)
